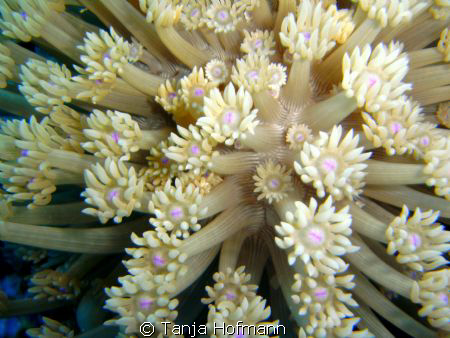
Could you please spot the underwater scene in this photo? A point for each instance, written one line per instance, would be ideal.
(219, 168)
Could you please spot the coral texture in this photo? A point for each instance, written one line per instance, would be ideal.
(305, 142)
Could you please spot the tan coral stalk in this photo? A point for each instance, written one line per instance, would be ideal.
(104, 15)
(229, 252)
(83, 240)
(422, 32)
(26, 306)
(424, 57)
(373, 267)
(144, 82)
(379, 172)
(434, 95)
(223, 196)
(367, 225)
(399, 195)
(385, 308)
(16, 104)
(265, 138)
(57, 214)
(196, 265)
(429, 77)
(254, 255)
(325, 114)
(234, 163)
(222, 227)
(372, 322)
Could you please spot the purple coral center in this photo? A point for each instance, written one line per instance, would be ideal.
(145, 303)
(158, 260)
(195, 150)
(315, 236)
(320, 293)
(176, 213)
(115, 136)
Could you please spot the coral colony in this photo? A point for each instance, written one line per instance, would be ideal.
(303, 143)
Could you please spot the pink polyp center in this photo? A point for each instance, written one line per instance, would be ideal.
(158, 260)
(320, 294)
(24, 152)
(115, 136)
(274, 183)
(146, 303)
(253, 75)
(195, 12)
(425, 141)
(223, 15)
(444, 298)
(113, 193)
(217, 71)
(329, 164)
(199, 92)
(373, 79)
(172, 95)
(315, 236)
(195, 150)
(106, 56)
(415, 240)
(229, 117)
(258, 43)
(275, 77)
(299, 137)
(24, 15)
(176, 213)
(395, 127)
(306, 35)
(230, 295)
(240, 333)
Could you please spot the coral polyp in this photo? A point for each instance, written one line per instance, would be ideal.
(303, 143)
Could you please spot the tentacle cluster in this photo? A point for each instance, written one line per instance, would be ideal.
(113, 188)
(317, 236)
(419, 240)
(333, 165)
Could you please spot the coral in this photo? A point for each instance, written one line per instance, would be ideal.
(290, 139)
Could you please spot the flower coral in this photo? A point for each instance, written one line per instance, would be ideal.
(290, 139)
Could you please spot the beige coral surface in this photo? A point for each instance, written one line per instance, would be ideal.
(302, 141)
